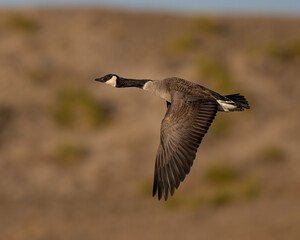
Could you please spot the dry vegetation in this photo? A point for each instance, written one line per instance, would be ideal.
(77, 157)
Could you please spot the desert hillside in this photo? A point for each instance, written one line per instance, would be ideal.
(77, 156)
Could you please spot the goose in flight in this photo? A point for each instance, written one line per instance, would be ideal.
(191, 108)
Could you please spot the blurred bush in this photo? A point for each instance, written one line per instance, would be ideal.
(182, 44)
(187, 42)
(207, 25)
(76, 107)
(220, 198)
(230, 184)
(285, 52)
(220, 126)
(221, 174)
(39, 75)
(5, 116)
(69, 154)
(251, 189)
(21, 23)
(221, 185)
(272, 154)
(216, 72)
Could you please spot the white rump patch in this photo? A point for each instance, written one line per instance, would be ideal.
(112, 81)
(226, 106)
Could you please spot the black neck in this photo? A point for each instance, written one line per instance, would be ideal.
(126, 82)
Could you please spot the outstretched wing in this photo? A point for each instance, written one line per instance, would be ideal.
(182, 130)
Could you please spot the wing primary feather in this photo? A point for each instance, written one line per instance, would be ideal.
(155, 183)
(182, 130)
(186, 156)
(171, 178)
(181, 172)
(183, 161)
(159, 188)
(165, 183)
(175, 173)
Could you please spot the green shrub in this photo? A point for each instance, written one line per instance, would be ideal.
(38, 75)
(284, 52)
(272, 154)
(207, 25)
(181, 44)
(22, 23)
(217, 73)
(250, 190)
(174, 203)
(69, 154)
(186, 202)
(220, 198)
(225, 186)
(221, 174)
(220, 126)
(76, 107)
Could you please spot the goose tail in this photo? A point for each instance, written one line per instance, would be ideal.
(239, 100)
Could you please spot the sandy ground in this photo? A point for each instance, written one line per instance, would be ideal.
(79, 180)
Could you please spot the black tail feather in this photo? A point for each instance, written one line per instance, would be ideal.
(240, 101)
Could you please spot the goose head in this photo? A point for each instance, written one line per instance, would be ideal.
(110, 79)
(119, 82)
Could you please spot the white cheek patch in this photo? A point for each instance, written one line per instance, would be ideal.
(112, 81)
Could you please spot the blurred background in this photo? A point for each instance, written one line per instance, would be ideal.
(77, 156)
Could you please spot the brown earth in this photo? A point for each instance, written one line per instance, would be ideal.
(77, 156)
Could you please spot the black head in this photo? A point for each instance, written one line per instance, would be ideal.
(119, 82)
(110, 79)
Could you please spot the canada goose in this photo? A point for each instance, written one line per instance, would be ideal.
(191, 109)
